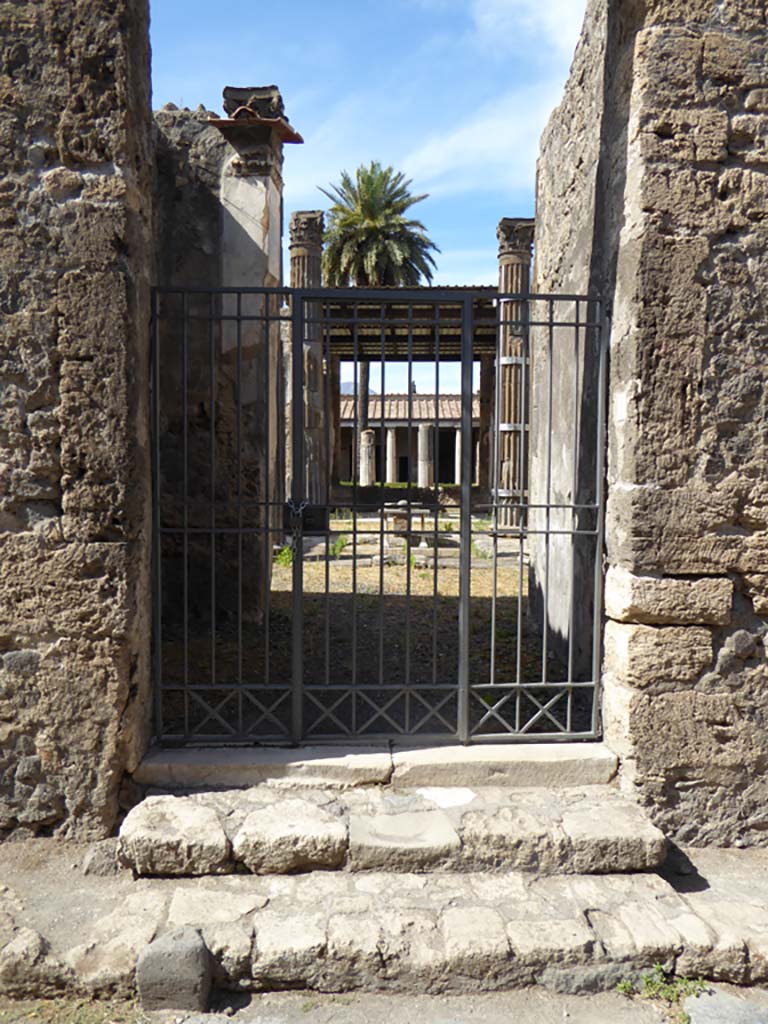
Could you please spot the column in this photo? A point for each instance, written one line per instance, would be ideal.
(515, 235)
(457, 459)
(391, 477)
(306, 248)
(426, 468)
(368, 458)
(485, 439)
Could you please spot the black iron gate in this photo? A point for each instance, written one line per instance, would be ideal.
(315, 578)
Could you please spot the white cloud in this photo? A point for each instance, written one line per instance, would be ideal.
(515, 25)
(493, 149)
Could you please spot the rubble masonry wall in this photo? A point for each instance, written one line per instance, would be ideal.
(75, 266)
(653, 191)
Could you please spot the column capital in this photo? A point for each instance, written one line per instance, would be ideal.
(306, 229)
(515, 235)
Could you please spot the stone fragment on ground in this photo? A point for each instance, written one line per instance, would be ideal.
(174, 972)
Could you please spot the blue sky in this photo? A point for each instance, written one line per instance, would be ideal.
(453, 92)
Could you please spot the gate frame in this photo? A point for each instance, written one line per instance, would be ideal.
(297, 501)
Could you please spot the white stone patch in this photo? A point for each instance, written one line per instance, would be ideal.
(447, 796)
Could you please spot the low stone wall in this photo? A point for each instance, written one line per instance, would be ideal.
(668, 223)
(75, 218)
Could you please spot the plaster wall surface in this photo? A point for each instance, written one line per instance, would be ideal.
(663, 132)
(75, 265)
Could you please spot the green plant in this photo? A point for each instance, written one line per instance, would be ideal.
(284, 556)
(657, 985)
(335, 549)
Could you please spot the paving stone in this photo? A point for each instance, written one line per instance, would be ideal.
(106, 961)
(174, 972)
(715, 1007)
(408, 841)
(167, 835)
(287, 947)
(212, 906)
(292, 835)
(475, 937)
(552, 942)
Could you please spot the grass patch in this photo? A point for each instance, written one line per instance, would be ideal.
(658, 986)
(70, 1011)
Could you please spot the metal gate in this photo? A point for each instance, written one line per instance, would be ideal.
(419, 565)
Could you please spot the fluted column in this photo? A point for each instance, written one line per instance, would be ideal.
(306, 249)
(426, 448)
(515, 235)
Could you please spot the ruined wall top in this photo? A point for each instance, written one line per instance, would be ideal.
(515, 235)
(264, 100)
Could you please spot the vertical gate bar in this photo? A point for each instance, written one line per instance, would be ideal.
(604, 330)
(548, 510)
(322, 326)
(212, 399)
(575, 497)
(435, 567)
(158, 540)
(408, 582)
(494, 482)
(382, 456)
(268, 544)
(325, 326)
(467, 338)
(185, 484)
(522, 513)
(297, 496)
(355, 370)
(238, 441)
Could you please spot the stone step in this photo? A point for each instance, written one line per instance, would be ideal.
(542, 764)
(268, 829)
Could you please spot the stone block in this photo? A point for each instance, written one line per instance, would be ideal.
(512, 837)
(660, 601)
(552, 942)
(287, 947)
(166, 835)
(408, 841)
(657, 658)
(475, 939)
(291, 835)
(557, 764)
(174, 972)
(609, 836)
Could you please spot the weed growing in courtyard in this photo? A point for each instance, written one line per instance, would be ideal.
(335, 549)
(284, 556)
(656, 984)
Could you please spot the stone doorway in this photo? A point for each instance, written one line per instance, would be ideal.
(304, 591)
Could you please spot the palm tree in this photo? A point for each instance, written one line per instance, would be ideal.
(369, 242)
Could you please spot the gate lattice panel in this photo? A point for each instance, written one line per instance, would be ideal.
(421, 565)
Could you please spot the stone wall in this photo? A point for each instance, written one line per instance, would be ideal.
(75, 265)
(664, 130)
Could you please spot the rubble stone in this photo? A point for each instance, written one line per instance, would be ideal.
(291, 835)
(167, 835)
(174, 972)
